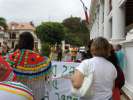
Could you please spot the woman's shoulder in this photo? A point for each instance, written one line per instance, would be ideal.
(27, 57)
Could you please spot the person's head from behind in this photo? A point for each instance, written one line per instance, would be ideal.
(100, 47)
(26, 41)
(111, 50)
(117, 47)
(89, 44)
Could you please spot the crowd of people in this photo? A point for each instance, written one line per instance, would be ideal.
(105, 61)
(27, 66)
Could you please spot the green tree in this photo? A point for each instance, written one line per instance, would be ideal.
(3, 23)
(75, 25)
(45, 50)
(51, 32)
(78, 33)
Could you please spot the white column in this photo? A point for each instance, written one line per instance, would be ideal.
(107, 23)
(97, 25)
(63, 45)
(101, 16)
(118, 21)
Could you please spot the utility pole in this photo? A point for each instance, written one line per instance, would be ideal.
(85, 11)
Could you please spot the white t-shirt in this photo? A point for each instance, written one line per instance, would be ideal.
(104, 76)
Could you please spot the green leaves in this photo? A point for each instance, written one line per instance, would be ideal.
(77, 31)
(73, 30)
(52, 32)
(3, 23)
(75, 25)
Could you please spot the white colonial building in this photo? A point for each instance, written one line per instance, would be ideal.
(113, 19)
(2, 35)
(15, 29)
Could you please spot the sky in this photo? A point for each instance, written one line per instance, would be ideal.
(41, 10)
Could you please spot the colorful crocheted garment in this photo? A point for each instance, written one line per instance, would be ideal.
(29, 65)
(6, 71)
(14, 91)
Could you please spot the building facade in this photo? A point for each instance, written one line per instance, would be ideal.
(15, 29)
(113, 19)
(2, 35)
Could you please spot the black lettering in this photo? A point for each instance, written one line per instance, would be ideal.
(65, 68)
(46, 97)
(69, 98)
(55, 84)
(57, 95)
(54, 70)
(75, 98)
(71, 70)
(63, 97)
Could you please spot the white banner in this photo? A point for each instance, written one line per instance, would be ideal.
(58, 88)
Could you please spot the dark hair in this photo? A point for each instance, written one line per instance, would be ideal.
(119, 46)
(120, 80)
(89, 49)
(100, 47)
(26, 41)
(16, 47)
(89, 43)
(112, 57)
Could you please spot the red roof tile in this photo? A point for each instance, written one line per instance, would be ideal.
(20, 26)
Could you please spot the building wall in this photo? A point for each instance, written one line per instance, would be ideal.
(111, 25)
(128, 48)
(1, 37)
(18, 32)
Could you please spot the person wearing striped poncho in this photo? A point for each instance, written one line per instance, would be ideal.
(10, 90)
(14, 91)
(6, 71)
(31, 68)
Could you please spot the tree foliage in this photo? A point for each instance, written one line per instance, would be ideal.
(73, 30)
(3, 23)
(45, 50)
(78, 33)
(51, 32)
(75, 25)
(77, 39)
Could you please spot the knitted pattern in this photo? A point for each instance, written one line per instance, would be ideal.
(6, 72)
(29, 65)
(14, 91)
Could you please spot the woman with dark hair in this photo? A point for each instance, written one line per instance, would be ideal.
(104, 72)
(120, 80)
(26, 41)
(30, 67)
(87, 55)
(15, 48)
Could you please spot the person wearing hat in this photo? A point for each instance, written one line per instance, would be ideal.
(30, 67)
(14, 91)
(6, 71)
(9, 89)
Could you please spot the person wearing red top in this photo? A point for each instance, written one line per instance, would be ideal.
(6, 71)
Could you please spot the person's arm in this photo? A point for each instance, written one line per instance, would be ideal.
(79, 74)
(77, 79)
(115, 76)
